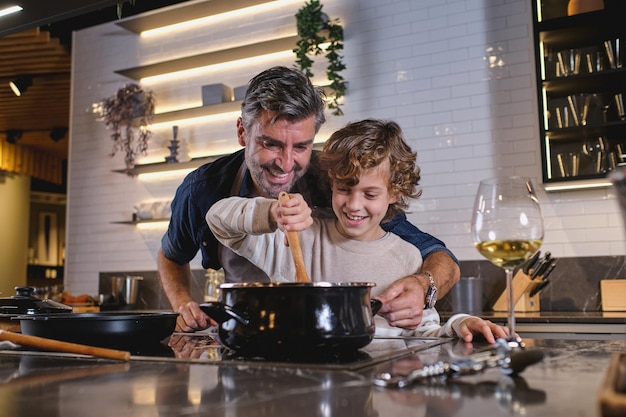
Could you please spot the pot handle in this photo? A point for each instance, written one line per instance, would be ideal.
(376, 305)
(221, 312)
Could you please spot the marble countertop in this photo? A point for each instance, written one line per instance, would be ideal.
(565, 383)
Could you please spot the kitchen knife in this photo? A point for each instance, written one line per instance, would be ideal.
(543, 284)
(542, 265)
(550, 269)
(530, 264)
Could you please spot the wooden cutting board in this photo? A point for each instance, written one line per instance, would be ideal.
(613, 390)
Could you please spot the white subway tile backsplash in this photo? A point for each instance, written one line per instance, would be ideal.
(422, 63)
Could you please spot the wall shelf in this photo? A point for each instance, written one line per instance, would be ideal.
(165, 166)
(210, 58)
(210, 110)
(133, 222)
(187, 11)
(193, 112)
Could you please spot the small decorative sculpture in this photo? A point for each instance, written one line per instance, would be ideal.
(173, 156)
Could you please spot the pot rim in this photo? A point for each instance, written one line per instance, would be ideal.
(317, 284)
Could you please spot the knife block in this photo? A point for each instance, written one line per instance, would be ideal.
(522, 285)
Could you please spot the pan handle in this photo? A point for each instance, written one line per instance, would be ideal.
(221, 312)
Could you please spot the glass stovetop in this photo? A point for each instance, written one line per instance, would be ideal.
(204, 347)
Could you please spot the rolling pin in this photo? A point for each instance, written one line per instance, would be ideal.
(59, 346)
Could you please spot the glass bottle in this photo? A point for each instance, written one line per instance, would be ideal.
(212, 286)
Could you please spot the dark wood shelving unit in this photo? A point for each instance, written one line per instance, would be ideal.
(583, 34)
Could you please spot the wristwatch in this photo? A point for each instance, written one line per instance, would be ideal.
(431, 293)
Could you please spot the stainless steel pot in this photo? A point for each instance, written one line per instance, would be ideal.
(280, 320)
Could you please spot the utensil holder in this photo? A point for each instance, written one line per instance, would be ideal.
(522, 285)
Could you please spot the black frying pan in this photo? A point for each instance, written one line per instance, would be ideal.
(131, 331)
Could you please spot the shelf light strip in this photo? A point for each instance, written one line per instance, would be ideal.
(583, 185)
(196, 120)
(10, 10)
(197, 71)
(205, 21)
(153, 225)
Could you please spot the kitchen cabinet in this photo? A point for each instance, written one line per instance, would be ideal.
(581, 87)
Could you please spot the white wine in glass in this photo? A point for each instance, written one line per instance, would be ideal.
(507, 228)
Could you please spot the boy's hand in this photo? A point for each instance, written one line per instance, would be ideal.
(291, 215)
(475, 325)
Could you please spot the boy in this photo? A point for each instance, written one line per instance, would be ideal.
(372, 175)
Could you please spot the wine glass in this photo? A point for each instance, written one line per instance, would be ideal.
(507, 228)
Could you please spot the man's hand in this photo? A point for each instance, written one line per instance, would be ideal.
(403, 303)
(191, 318)
(176, 280)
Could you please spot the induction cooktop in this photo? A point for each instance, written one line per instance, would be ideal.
(204, 347)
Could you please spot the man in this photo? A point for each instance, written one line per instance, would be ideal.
(280, 116)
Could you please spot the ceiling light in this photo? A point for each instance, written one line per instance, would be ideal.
(58, 133)
(21, 84)
(13, 135)
(10, 10)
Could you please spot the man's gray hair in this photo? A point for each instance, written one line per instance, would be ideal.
(285, 91)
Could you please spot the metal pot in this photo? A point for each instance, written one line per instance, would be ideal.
(294, 319)
(132, 331)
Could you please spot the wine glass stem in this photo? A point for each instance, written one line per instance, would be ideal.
(511, 303)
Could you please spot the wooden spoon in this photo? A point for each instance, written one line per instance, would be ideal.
(59, 346)
(296, 249)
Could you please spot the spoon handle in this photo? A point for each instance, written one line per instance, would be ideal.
(296, 249)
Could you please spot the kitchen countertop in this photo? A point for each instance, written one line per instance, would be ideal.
(565, 383)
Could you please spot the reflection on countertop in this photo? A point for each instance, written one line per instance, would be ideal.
(565, 383)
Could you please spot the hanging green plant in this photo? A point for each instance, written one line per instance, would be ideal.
(315, 28)
(128, 114)
(120, 6)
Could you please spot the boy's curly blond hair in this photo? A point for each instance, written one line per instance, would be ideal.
(366, 144)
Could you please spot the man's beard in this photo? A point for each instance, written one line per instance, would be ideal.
(269, 189)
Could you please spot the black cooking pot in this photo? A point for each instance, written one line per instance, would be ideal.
(294, 319)
(132, 331)
(24, 302)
